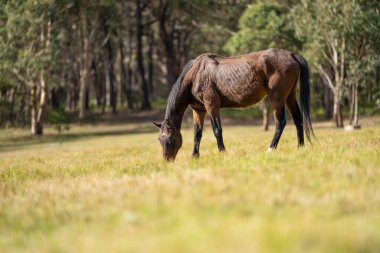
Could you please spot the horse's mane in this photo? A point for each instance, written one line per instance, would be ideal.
(174, 93)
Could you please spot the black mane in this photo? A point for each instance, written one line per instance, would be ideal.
(174, 93)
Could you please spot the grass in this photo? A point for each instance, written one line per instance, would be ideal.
(106, 189)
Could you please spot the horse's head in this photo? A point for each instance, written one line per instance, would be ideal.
(170, 139)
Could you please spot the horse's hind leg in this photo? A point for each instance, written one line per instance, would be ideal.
(280, 120)
(293, 107)
(212, 104)
(198, 118)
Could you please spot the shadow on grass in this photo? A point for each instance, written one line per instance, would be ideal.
(25, 141)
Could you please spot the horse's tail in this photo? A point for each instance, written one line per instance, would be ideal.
(305, 95)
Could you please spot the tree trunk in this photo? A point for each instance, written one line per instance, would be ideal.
(55, 97)
(112, 82)
(33, 106)
(105, 87)
(128, 88)
(171, 63)
(41, 106)
(83, 92)
(110, 67)
(356, 106)
(352, 104)
(121, 74)
(84, 68)
(327, 101)
(167, 38)
(338, 117)
(71, 79)
(171, 69)
(150, 61)
(23, 110)
(11, 103)
(87, 99)
(96, 83)
(37, 105)
(38, 99)
(145, 103)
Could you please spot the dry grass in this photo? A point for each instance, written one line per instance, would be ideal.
(106, 189)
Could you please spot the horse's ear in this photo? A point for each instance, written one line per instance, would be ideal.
(157, 124)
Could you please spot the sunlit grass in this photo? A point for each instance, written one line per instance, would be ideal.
(91, 192)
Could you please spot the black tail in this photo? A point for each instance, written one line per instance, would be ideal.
(305, 95)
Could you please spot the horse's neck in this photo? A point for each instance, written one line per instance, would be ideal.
(176, 108)
(175, 115)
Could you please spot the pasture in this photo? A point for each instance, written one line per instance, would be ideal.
(105, 188)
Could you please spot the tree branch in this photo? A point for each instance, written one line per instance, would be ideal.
(327, 58)
(19, 76)
(323, 73)
(342, 58)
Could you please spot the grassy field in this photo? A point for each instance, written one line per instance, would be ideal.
(106, 189)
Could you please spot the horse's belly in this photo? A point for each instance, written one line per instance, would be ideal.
(242, 95)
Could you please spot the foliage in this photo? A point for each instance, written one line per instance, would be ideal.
(263, 25)
(84, 54)
(341, 42)
(97, 52)
(59, 118)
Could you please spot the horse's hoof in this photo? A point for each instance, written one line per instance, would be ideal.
(269, 150)
(195, 155)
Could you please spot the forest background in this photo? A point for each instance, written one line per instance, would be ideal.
(68, 61)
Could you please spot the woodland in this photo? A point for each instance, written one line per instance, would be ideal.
(63, 60)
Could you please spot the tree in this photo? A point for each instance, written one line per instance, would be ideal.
(363, 57)
(29, 29)
(335, 40)
(263, 25)
(93, 54)
(175, 29)
(140, 6)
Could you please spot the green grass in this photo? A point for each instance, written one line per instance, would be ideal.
(106, 189)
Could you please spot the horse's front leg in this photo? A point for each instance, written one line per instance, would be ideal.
(198, 118)
(213, 108)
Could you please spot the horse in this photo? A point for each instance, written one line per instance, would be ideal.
(211, 82)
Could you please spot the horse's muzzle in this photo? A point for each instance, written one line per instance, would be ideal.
(170, 156)
(169, 159)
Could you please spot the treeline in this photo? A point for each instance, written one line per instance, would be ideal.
(99, 55)
(102, 55)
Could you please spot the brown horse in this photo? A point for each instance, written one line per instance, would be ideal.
(211, 82)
